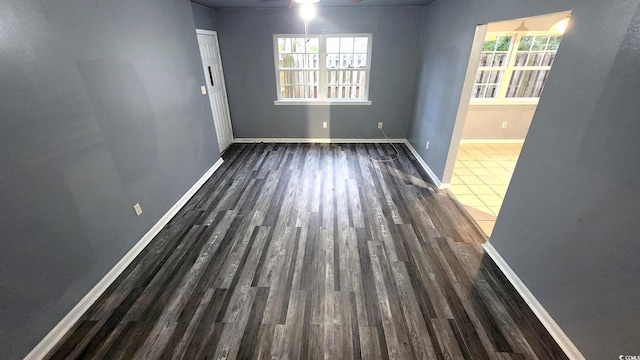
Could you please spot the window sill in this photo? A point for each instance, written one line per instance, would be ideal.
(322, 102)
(504, 102)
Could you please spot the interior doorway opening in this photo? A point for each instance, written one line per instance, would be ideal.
(508, 68)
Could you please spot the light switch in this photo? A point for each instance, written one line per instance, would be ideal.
(137, 208)
(203, 89)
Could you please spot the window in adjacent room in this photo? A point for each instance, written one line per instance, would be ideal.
(533, 59)
(323, 68)
(514, 66)
(493, 63)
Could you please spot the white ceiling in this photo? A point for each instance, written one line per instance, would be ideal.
(285, 3)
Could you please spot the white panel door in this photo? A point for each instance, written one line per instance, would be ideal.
(214, 77)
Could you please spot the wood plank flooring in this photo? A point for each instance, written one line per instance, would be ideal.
(313, 251)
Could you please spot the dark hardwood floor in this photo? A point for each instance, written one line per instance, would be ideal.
(308, 251)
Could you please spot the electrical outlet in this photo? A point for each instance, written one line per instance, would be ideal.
(203, 89)
(325, 125)
(380, 125)
(504, 125)
(427, 146)
(137, 208)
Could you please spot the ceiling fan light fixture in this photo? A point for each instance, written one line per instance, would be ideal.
(522, 27)
(561, 26)
(307, 11)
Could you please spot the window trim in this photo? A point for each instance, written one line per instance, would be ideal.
(322, 102)
(322, 71)
(501, 99)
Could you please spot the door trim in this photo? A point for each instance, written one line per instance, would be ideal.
(206, 32)
(465, 97)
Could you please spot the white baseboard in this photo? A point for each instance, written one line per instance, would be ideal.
(316, 140)
(58, 332)
(556, 332)
(492, 141)
(432, 175)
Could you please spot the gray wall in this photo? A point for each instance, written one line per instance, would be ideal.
(100, 109)
(204, 17)
(569, 224)
(485, 121)
(246, 44)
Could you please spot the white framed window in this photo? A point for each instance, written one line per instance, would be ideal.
(322, 69)
(514, 67)
(493, 64)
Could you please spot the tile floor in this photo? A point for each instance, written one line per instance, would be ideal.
(480, 179)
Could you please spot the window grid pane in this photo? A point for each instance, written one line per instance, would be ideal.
(537, 50)
(299, 84)
(493, 60)
(298, 53)
(344, 54)
(299, 61)
(534, 58)
(299, 92)
(299, 78)
(346, 84)
(299, 64)
(347, 52)
(527, 83)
